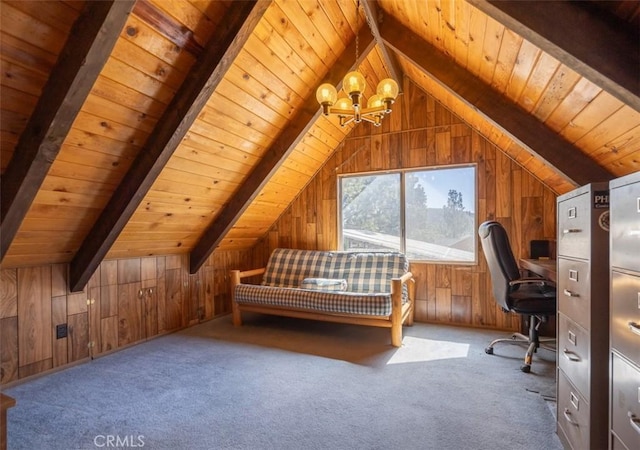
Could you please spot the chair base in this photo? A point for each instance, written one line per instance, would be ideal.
(532, 347)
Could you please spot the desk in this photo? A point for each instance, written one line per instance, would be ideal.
(544, 267)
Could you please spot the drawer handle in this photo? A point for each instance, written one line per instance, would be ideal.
(635, 328)
(567, 415)
(571, 356)
(634, 422)
(568, 293)
(571, 230)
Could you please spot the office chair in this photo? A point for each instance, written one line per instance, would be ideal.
(534, 297)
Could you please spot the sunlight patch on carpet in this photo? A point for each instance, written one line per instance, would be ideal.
(421, 350)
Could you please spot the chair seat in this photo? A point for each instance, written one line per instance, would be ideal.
(533, 299)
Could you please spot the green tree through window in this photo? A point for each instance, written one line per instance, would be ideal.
(432, 218)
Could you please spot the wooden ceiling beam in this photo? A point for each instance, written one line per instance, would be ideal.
(602, 48)
(374, 17)
(85, 52)
(507, 116)
(198, 86)
(275, 156)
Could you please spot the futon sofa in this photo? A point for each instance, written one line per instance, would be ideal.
(363, 288)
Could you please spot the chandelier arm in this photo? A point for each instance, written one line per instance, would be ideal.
(376, 110)
(344, 123)
(375, 120)
(341, 112)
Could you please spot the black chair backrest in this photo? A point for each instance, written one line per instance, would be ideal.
(502, 264)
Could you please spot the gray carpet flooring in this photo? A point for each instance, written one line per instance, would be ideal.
(279, 383)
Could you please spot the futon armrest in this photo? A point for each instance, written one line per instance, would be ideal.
(396, 288)
(249, 273)
(238, 275)
(406, 277)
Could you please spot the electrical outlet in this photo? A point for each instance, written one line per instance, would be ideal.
(61, 331)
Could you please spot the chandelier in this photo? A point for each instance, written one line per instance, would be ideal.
(349, 109)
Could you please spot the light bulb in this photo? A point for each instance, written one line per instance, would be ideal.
(387, 89)
(354, 83)
(375, 101)
(343, 103)
(326, 94)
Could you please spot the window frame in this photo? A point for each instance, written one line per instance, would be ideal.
(403, 232)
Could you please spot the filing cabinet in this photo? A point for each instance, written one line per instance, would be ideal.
(582, 317)
(625, 313)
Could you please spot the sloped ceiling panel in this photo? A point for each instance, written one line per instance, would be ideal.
(503, 115)
(594, 121)
(134, 88)
(607, 55)
(87, 47)
(30, 49)
(208, 71)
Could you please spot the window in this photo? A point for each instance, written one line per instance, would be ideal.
(429, 214)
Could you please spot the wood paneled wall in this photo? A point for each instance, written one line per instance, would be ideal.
(126, 301)
(422, 133)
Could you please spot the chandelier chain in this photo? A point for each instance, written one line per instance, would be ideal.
(351, 108)
(357, 31)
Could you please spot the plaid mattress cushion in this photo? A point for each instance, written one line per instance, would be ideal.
(371, 272)
(288, 267)
(364, 272)
(324, 301)
(324, 284)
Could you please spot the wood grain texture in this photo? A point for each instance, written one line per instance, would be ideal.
(94, 310)
(92, 39)
(565, 30)
(34, 314)
(130, 313)
(172, 309)
(109, 334)
(78, 340)
(223, 47)
(8, 293)
(505, 115)
(8, 349)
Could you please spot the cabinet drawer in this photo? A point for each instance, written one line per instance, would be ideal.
(573, 353)
(625, 315)
(573, 414)
(574, 226)
(625, 402)
(625, 226)
(574, 290)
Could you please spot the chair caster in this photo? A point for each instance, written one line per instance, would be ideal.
(526, 368)
(489, 350)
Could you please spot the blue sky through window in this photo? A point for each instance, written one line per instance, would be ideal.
(437, 183)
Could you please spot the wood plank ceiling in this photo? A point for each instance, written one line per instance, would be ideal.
(157, 127)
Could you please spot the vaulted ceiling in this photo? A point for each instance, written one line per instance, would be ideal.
(153, 127)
